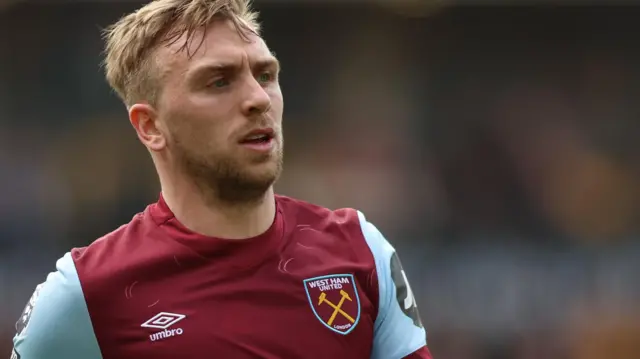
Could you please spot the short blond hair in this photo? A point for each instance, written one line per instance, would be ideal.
(130, 42)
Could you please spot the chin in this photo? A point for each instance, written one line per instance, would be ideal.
(267, 172)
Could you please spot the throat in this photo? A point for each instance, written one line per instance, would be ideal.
(224, 220)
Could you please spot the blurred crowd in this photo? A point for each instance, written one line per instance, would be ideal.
(497, 148)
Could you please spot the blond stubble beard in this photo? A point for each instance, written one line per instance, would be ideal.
(223, 180)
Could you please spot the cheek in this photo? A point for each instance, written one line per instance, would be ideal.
(277, 102)
(193, 135)
(276, 93)
(206, 135)
(212, 137)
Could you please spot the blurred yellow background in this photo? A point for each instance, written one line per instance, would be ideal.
(497, 147)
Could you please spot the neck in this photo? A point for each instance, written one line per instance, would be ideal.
(217, 219)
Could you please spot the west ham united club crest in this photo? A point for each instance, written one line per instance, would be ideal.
(334, 300)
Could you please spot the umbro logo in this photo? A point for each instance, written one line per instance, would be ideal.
(164, 321)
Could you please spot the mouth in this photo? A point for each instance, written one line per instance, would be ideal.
(260, 140)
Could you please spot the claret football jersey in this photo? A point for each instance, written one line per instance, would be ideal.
(317, 284)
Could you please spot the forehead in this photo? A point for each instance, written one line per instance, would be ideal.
(220, 41)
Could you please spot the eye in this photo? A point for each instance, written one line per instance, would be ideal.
(219, 83)
(265, 77)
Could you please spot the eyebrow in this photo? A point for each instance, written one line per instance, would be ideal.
(267, 63)
(230, 67)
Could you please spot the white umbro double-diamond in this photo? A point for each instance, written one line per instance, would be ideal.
(163, 320)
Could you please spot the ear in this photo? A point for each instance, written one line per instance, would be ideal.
(144, 120)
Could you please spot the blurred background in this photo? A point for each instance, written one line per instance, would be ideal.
(497, 147)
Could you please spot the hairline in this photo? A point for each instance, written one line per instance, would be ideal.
(153, 73)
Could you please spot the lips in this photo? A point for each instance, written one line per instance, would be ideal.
(258, 136)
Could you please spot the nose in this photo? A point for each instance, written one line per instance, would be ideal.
(257, 100)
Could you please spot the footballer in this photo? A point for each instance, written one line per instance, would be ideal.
(220, 266)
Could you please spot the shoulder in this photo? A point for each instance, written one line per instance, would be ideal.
(115, 256)
(113, 240)
(349, 223)
(55, 322)
(114, 248)
(398, 326)
(337, 230)
(308, 213)
(381, 249)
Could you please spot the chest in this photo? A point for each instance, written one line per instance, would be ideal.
(255, 314)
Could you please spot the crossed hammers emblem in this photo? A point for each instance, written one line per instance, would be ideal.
(337, 308)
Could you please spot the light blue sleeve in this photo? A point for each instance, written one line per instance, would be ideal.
(398, 330)
(55, 323)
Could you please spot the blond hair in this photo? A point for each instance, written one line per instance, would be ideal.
(130, 42)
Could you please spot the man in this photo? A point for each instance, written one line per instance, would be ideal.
(220, 266)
